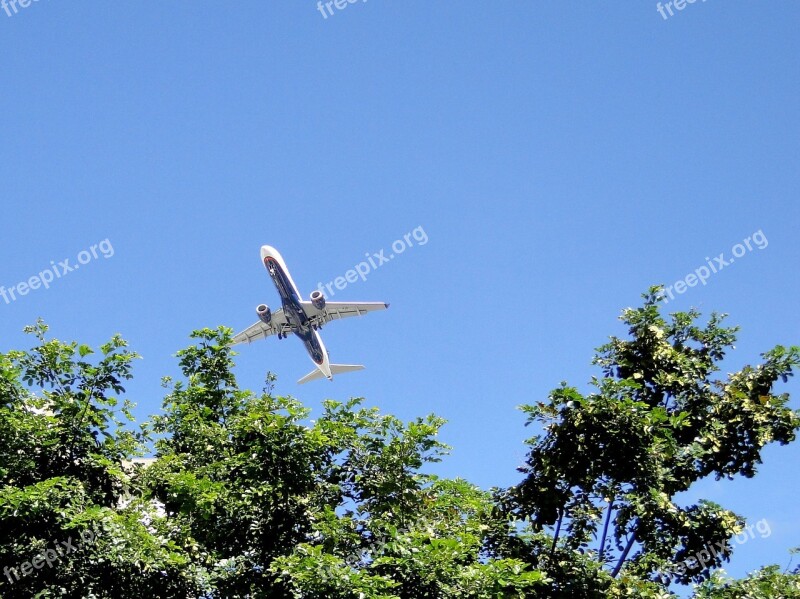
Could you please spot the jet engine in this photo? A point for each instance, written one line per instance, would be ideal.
(318, 300)
(264, 314)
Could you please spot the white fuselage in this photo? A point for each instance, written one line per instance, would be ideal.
(293, 308)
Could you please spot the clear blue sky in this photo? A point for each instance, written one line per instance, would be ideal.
(560, 157)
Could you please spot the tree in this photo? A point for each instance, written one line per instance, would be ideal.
(70, 525)
(766, 583)
(603, 477)
(282, 507)
(248, 497)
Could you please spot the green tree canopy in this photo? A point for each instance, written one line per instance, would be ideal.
(247, 496)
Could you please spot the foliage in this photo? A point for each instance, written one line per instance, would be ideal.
(603, 476)
(282, 507)
(247, 497)
(62, 479)
(767, 583)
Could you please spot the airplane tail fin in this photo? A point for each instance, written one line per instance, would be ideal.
(335, 369)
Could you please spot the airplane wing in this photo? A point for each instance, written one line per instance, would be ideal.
(339, 310)
(259, 330)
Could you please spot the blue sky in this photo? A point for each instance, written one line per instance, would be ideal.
(560, 158)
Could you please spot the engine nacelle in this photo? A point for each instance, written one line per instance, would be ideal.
(318, 300)
(264, 313)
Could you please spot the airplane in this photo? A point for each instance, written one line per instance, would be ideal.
(303, 318)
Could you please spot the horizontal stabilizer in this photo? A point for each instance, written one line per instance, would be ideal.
(341, 368)
(335, 369)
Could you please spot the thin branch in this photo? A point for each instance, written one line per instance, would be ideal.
(624, 555)
(605, 531)
(558, 530)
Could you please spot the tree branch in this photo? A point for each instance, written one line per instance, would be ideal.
(624, 555)
(605, 532)
(558, 530)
